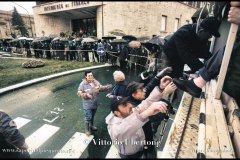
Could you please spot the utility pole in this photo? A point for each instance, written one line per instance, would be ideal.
(30, 23)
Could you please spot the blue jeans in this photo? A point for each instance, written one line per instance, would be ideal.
(89, 114)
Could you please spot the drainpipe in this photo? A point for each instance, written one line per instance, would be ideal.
(102, 21)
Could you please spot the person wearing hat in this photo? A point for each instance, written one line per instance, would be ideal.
(125, 123)
(123, 55)
(212, 67)
(138, 92)
(187, 45)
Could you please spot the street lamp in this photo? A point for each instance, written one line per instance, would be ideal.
(28, 16)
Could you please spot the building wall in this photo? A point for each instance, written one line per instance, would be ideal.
(142, 18)
(51, 25)
(6, 24)
(133, 18)
(52, 21)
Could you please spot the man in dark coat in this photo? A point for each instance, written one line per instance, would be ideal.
(186, 46)
(212, 67)
(123, 57)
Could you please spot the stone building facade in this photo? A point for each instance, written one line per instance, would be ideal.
(99, 18)
(6, 27)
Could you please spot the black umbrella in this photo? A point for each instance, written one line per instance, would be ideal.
(116, 42)
(151, 46)
(109, 37)
(129, 38)
(158, 40)
(7, 38)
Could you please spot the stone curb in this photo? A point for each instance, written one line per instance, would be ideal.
(37, 80)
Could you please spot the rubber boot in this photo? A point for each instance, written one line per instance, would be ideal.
(87, 129)
(92, 127)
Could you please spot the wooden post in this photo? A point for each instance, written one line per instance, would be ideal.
(226, 58)
(201, 151)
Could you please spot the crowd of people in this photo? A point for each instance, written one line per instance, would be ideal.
(130, 115)
(114, 51)
(136, 108)
(125, 99)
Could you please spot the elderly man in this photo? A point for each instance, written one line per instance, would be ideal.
(186, 46)
(125, 123)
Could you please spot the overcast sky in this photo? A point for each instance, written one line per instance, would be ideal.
(8, 6)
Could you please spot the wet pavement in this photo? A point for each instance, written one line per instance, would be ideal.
(56, 103)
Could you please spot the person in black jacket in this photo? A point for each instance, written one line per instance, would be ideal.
(212, 67)
(123, 57)
(12, 143)
(186, 45)
(119, 88)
